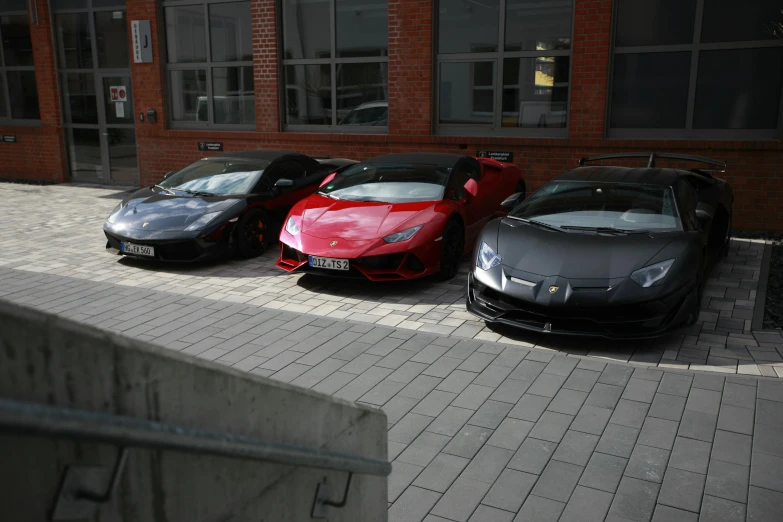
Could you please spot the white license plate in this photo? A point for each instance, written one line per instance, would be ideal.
(137, 250)
(329, 263)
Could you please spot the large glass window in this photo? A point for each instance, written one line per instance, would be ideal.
(335, 65)
(504, 66)
(696, 69)
(18, 89)
(209, 53)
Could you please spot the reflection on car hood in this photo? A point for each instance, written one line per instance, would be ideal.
(356, 220)
(575, 255)
(166, 212)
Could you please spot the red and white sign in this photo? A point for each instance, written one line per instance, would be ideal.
(119, 93)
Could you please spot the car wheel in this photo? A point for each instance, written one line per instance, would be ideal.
(451, 250)
(253, 234)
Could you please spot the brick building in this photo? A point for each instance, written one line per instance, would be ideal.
(549, 80)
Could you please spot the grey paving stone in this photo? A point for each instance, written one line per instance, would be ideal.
(540, 509)
(675, 384)
(669, 407)
(430, 354)
(401, 477)
(616, 375)
(630, 413)
(739, 395)
(618, 440)
(690, 455)
(582, 380)
(670, 514)
(487, 465)
(544, 355)
(634, 500)
(442, 367)
(576, 448)
(769, 412)
(463, 349)
(558, 481)
(604, 395)
(766, 471)
(591, 419)
(528, 370)
(529, 407)
(361, 364)
(477, 362)
(511, 357)
(450, 421)
(468, 441)
(510, 390)
(721, 510)
(568, 402)
(422, 450)
(382, 392)
(493, 375)
(473, 396)
(640, 390)
(461, 499)
(396, 408)
(510, 490)
(384, 347)
(658, 433)
(413, 505)
(489, 514)
(767, 439)
(647, 463)
(682, 489)
(592, 365)
(441, 472)
(732, 447)
(698, 425)
(533, 456)
(510, 433)
(770, 390)
(551, 426)
(708, 381)
(727, 480)
(733, 418)
(587, 505)
(764, 505)
(705, 401)
(434, 403)
(394, 449)
(546, 385)
(603, 472)
(407, 372)
(490, 414)
(420, 386)
(648, 374)
(457, 381)
(408, 428)
(562, 366)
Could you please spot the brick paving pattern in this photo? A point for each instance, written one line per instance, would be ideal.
(480, 428)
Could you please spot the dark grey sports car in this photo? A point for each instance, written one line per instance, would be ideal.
(605, 251)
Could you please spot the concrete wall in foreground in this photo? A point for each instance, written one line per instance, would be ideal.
(49, 360)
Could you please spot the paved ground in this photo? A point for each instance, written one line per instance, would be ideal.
(479, 429)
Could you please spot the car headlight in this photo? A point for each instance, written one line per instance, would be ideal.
(291, 227)
(202, 222)
(402, 236)
(487, 258)
(114, 213)
(653, 274)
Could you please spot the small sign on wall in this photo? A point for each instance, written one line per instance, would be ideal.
(497, 155)
(142, 41)
(118, 93)
(8, 138)
(210, 146)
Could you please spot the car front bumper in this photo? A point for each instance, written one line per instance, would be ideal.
(173, 249)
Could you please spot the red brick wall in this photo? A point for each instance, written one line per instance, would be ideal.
(39, 152)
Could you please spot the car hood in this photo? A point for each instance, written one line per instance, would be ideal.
(149, 210)
(575, 255)
(356, 220)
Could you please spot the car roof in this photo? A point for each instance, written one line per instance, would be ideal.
(258, 154)
(608, 174)
(423, 158)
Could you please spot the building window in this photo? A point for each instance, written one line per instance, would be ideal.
(696, 69)
(209, 56)
(335, 65)
(503, 66)
(18, 90)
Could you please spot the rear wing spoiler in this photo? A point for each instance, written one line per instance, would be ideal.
(716, 165)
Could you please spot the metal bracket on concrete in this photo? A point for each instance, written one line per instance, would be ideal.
(78, 497)
(322, 495)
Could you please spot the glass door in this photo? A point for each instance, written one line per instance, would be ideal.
(94, 64)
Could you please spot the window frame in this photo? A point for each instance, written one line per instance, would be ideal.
(8, 119)
(207, 65)
(498, 58)
(694, 47)
(333, 61)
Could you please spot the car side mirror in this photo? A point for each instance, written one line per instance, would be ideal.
(471, 187)
(284, 183)
(327, 179)
(512, 201)
(168, 175)
(703, 213)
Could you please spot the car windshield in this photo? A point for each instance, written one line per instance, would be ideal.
(221, 177)
(590, 205)
(388, 183)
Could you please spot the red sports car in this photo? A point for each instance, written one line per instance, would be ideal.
(398, 216)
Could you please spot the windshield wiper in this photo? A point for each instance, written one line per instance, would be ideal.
(606, 230)
(198, 192)
(164, 189)
(539, 224)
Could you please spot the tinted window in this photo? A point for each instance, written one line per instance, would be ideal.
(217, 177)
(535, 91)
(17, 45)
(229, 32)
(186, 34)
(533, 25)
(468, 27)
(654, 22)
(622, 206)
(467, 92)
(388, 183)
(288, 169)
(306, 29)
(360, 83)
(362, 28)
(734, 21)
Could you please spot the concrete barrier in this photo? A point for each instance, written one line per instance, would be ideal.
(46, 360)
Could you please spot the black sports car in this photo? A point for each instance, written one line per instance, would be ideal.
(605, 251)
(233, 203)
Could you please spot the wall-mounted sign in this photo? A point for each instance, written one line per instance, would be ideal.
(118, 93)
(497, 155)
(8, 138)
(142, 41)
(210, 146)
